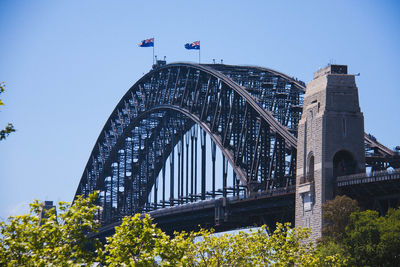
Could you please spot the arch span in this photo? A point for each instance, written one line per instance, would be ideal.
(250, 113)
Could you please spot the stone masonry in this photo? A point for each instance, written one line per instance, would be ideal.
(330, 142)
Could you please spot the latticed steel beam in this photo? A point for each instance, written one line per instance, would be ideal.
(250, 113)
(234, 108)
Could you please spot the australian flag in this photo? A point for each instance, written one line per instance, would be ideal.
(147, 43)
(194, 45)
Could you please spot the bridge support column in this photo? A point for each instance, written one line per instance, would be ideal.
(203, 164)
(330, 142)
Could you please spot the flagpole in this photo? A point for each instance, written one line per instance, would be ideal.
(199, 51)
(153, 50)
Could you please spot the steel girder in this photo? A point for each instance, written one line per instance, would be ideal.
(379, 157)
(250, 113)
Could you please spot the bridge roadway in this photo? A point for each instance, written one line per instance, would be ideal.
(380, 190)
(224, 214)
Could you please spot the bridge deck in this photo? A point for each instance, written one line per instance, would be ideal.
(364, 178)
(224, 214)
(379, 190)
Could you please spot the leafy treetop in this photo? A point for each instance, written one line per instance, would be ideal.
(9, 127)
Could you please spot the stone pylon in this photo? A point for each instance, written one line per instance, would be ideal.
(330, 142)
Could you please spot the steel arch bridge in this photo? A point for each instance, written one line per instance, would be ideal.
(249, 113)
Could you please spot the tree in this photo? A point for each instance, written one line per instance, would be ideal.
(362, 242)
(389, 243)
(285, 246)
(336, 216)
(9, 128)
(362, 237)
(373, 240)
(55, 239)
(138, 242)
(135, 242)
(62, 240)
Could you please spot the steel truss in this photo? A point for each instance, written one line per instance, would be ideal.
(250, 113)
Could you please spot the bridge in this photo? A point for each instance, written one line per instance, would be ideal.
(148, 156)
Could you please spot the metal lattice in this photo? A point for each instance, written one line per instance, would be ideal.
(250, 113)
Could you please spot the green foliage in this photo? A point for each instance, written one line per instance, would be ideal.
(56, 239)
(331, 253)
(9, 128)
(336, 215)
(389, 244)
(137, 242)
(61, 240)
(374, 240)
(285, 246)
(173, 251)
(361, 238)
(1, 91)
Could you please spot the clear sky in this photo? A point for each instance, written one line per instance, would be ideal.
(66, 64)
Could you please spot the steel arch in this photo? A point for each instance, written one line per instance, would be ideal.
(251, 113)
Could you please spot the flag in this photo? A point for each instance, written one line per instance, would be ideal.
(147, 43)
(194, 45)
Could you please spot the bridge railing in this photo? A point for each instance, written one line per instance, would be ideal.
(362, 178)
(278, 191)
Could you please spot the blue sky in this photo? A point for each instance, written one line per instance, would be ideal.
(66, 64)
